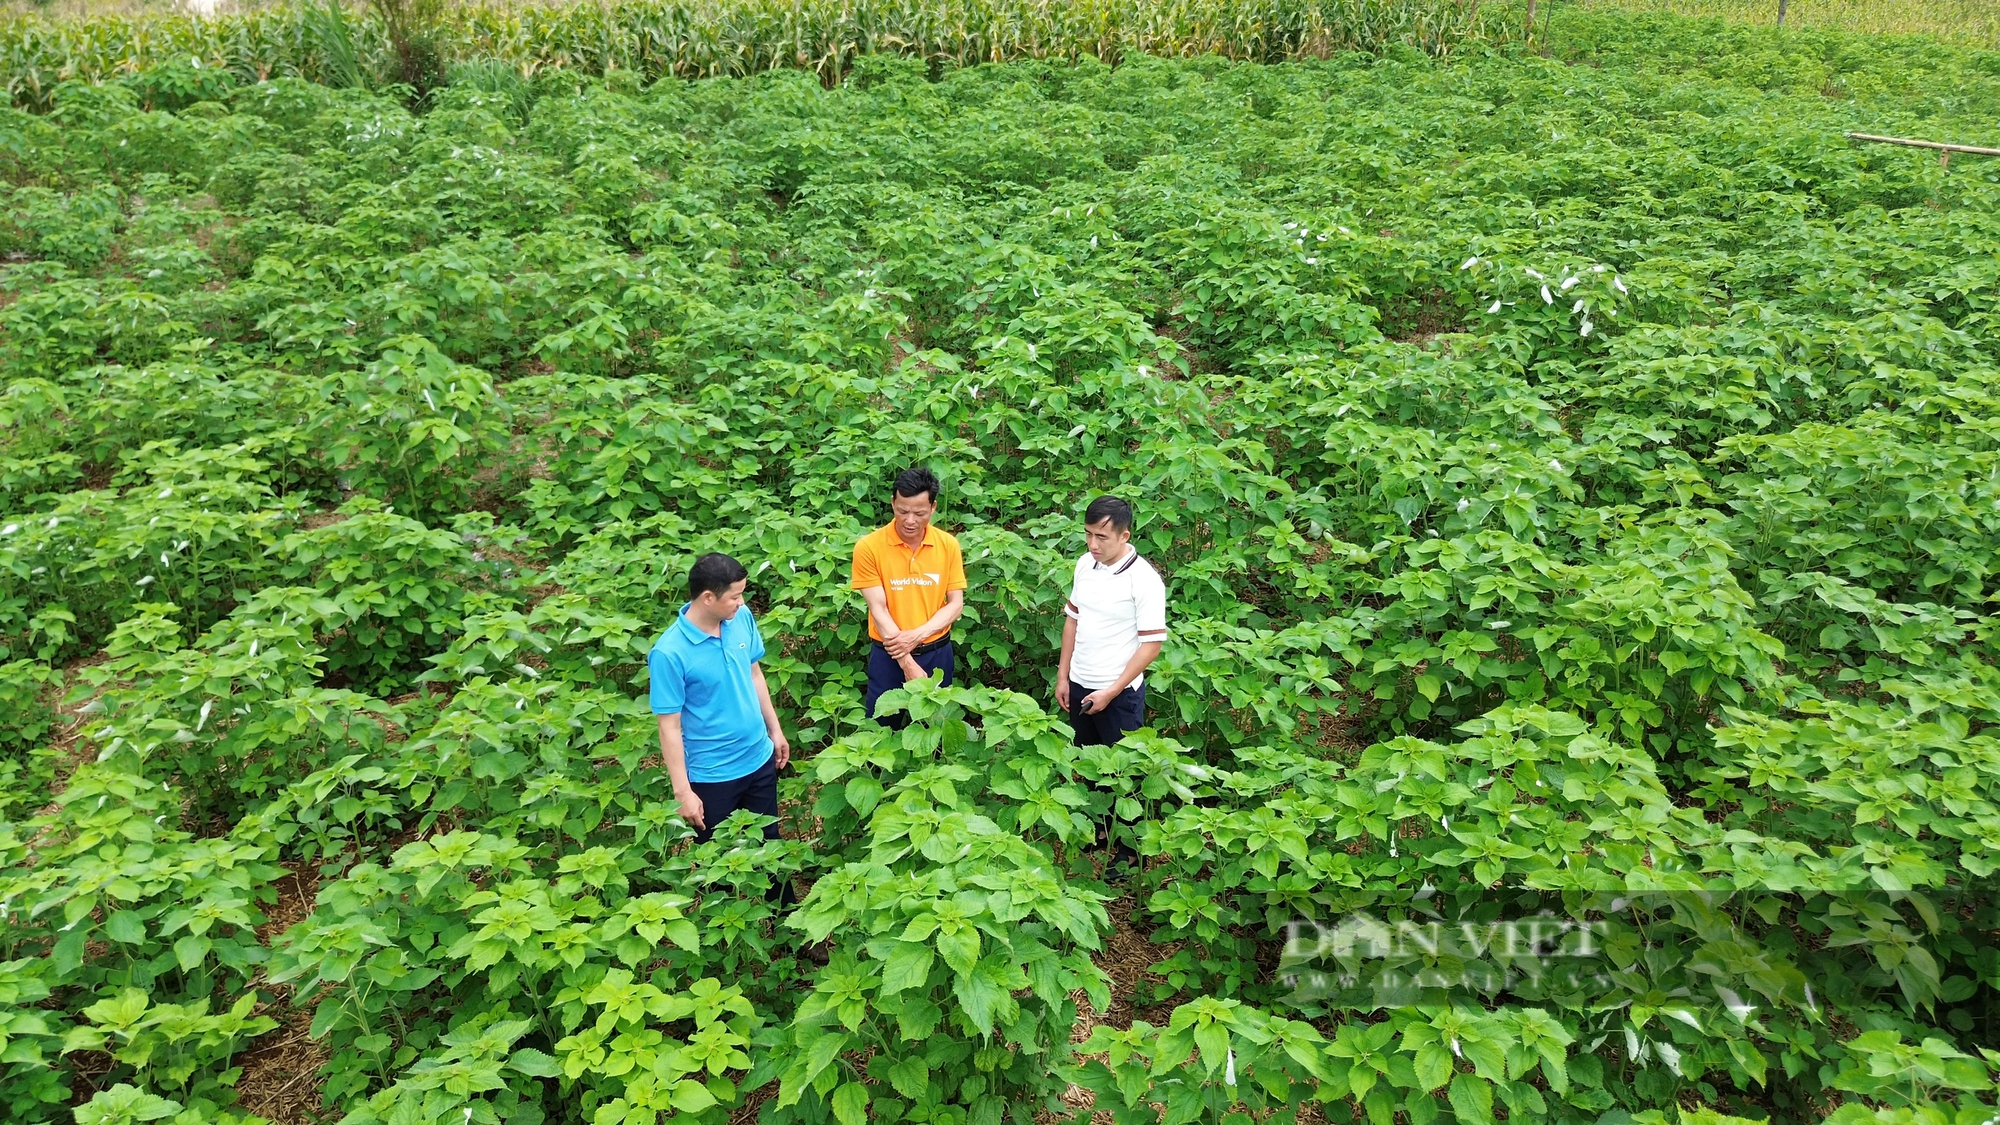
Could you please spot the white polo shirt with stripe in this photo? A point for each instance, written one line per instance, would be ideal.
(1116, 608)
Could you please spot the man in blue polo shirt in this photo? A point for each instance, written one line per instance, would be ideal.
(719, 732)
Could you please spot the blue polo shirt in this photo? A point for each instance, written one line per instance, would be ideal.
(706, 681)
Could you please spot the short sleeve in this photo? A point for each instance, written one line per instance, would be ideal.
(1151, 595)
(667, 687)
(756, 639)
(867, 571)
(956, 579)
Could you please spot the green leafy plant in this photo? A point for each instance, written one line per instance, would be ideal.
(1573, 472)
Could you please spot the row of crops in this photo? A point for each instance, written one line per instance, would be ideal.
(416, 41)
(1576, 481)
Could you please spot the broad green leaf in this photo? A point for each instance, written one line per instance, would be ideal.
(909, 966)
(1472, 1099)
(850, 1104)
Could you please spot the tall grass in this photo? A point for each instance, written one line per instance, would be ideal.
(703, 38)
(328, 27)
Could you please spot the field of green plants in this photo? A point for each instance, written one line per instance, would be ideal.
(1577, 480)
(413, 41)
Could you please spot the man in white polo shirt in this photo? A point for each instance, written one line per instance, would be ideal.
(1117, 620)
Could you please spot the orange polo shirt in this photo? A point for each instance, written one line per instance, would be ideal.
(915, 582)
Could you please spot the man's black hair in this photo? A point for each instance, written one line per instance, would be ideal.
(1109, 508)
(916, 481)
(714, 573)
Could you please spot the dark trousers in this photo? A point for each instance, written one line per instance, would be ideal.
(756, 791)
(1124, 714)
(885, 675)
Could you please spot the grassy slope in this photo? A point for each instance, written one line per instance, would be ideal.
(1964, 21)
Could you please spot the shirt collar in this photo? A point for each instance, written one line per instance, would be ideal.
(1130, 550)
(692, 631)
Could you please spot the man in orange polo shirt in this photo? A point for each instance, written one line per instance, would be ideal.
(913, 576)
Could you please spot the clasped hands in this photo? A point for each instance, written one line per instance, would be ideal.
(1093, 703)
(899, 645)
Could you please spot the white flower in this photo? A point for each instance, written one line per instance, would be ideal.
(1343, 230)
(1534, 273)
(1322, 238)
(1312, 261)
(1619, 283)
(1093, 241)
(1587, 326)
(430, 400)
(1555, 464)
(164, 493)
(1470, 262)
(10, 529)
(1498, 624)
(1569, 281)
(1079, 429)
(1548, 298)
(1578, 307)
(1344, 407)
(1464, 504)
(1597, 268)
(1291, 226)
(146, 581)
(1495, 306)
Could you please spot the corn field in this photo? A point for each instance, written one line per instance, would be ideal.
(709, 38)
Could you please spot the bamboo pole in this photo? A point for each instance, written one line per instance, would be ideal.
(1940, 146)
